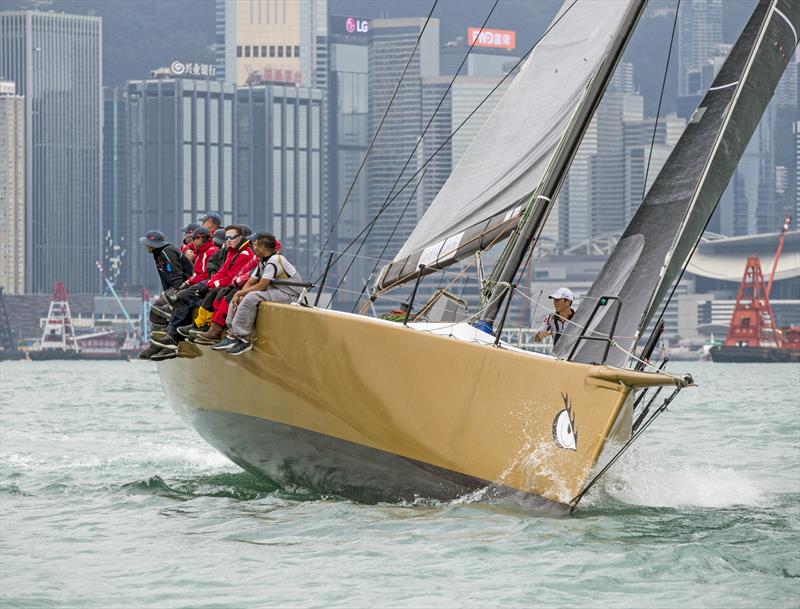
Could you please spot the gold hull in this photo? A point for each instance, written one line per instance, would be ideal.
(375, 409)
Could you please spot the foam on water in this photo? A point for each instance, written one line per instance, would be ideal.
(638, 481)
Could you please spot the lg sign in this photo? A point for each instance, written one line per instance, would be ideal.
(356, 26)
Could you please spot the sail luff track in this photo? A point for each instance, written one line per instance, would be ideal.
(665, 229)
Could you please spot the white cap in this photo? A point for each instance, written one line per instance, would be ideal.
(563, 293)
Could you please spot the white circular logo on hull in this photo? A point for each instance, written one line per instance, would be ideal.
(564, 432)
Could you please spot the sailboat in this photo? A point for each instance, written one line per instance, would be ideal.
(384, 411)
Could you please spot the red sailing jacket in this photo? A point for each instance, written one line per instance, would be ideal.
(243, 275)
(235, 261)
(202, 256)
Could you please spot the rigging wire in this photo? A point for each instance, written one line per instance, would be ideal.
(374, 138)
(694, 248)
(454, 132)
(388, 240)
(662, 408)
(660, 99)
(411, 156)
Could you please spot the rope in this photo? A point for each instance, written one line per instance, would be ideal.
(383, 251)
(414, 149)
(660, 99)
(634, 437)
(457, 129)
(374, 138)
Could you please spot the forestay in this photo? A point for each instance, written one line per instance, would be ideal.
(482, 200)
(662, 234)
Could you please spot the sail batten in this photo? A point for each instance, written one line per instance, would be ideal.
(511, 154)
(665, 229)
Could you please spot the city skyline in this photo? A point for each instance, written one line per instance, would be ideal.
(598, 197)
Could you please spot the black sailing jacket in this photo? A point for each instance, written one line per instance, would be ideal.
(170, 266)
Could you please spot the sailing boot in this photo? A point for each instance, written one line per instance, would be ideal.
(195, 331)
(212, 336)
(149, 352)
(163, 354)
(167, 341)
(186, 330)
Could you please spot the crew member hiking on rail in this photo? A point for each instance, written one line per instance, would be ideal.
(241, 317)
(190, 292)
(172, 269)
(239, 256)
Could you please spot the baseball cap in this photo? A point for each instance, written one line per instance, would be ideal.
(201, 231)
(219, 237)
(213, 216)
(563, 293)
(190, 228)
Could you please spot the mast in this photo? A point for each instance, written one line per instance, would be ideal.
(538, 206)
(662, 235)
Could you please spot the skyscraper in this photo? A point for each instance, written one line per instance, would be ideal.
(12, 189)
(699, 35)
(390, 45)
(116, 210)
(180, 159)
(796, 131)
(271, 40)
(278, 182)
(55, 60)
(347, 141)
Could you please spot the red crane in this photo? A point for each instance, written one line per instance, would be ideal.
(753, 335)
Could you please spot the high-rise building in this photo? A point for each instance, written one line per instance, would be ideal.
(786, 113)
(437, 111)
(645, 155)
(271, 40)
(485, 58)
(55, 61)
(608, 210)
(603, 186)
(391, 42)
(180, 159)
(347, 142)
(278, 151)
(116, 210)
(12, 189)
(699, 36)
(796, 131)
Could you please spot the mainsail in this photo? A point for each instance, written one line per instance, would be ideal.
(664, 231)
(486, 193)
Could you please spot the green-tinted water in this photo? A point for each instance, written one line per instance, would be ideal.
(107, 500)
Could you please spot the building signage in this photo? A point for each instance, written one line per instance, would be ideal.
(353, 25)
(180, 68)
(349, 26)
(496, 39)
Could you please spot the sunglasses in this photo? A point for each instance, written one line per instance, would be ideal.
(231, 237)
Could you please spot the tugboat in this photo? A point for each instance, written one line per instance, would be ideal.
(753, 336)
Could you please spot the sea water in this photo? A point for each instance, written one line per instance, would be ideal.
(108, 500)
